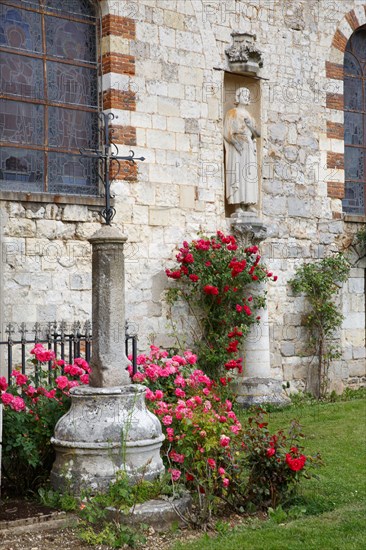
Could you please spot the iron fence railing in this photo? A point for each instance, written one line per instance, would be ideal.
(67, 341)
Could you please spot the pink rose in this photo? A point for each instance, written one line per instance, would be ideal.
(84, 378)
(62, 382)
(221, 471)
(18, 404)
(224, 440)
(175, 474)
(225, 482)
(211, 462)
(159, 394)
(7, 398)
(3, 383)
(167, 420)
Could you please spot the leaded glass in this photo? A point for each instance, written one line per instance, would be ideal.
(72, 128)
(354, 163)
(354, 123)
(354, 200)
(21, 123)
(70, 40)
(20, 29)
(72, 174)
(79, 8)
(42, 133)
(351, 65)
(354, 129)
(71, 84)
(21, 76)
(353, 98)
(21, 169)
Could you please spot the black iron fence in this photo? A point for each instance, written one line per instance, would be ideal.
(67, 341)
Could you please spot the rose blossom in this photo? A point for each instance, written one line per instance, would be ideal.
(224, 440)
(3, 383)
(175, 474)
(17, 404)
(7, 398)
(167, 420)
(62, 382)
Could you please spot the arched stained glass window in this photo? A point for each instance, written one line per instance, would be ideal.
(355, 123)
(48, 96)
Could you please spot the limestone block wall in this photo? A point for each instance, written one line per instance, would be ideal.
(163, 78)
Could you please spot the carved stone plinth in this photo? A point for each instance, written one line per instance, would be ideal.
(259, 391)
(106, 430)
(243, 55)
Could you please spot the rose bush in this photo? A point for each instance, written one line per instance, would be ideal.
(32, 407)
(207, 449)
(214, 278)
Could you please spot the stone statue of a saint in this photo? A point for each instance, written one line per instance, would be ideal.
(241, 170)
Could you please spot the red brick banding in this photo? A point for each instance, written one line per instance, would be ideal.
(126, 171)
(335, 160)
(335, 130)
(339, 41)
(119, 99)
(336, 215)
(335, 189)
(334, 70)
(352, 19)
(125, 135)
(335, 101)
(118, 63)
(119, 26)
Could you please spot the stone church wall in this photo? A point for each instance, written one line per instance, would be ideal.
(163, 64)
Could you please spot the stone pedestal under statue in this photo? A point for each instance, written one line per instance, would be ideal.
(256, 386)
(108, 427)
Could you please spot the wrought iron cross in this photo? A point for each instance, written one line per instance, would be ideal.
(107, 155)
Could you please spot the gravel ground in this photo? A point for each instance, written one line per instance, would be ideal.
(67, 539)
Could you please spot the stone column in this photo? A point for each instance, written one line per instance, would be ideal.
(109, 361)
(256, 386)
(108, 427)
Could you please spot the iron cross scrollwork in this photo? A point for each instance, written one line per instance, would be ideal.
(107, 155)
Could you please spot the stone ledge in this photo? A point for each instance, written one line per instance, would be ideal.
(84, 200)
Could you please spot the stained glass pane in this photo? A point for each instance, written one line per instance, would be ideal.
(351, 65)
(72, 129)
(20, 29)
(353, 94)
(353, 129)
(21, 76)
(70, 40)
(26, 3)
(354, 163)
(82, 8)
(72, 174)
(21, 169)
(354, 200)
(71, 84)
(21, 122)
(358, 44)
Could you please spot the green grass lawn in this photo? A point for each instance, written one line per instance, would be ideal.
(330, 511)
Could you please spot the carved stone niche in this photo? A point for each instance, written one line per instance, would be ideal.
(243, 56)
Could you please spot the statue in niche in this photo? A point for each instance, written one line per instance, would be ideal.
(240, 134)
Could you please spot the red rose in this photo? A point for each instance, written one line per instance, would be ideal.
(270, 452)
(295, 464)
(209, 289)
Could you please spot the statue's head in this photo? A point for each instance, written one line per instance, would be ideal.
(242, 96)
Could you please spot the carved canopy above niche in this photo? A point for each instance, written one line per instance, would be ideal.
(243, 56)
